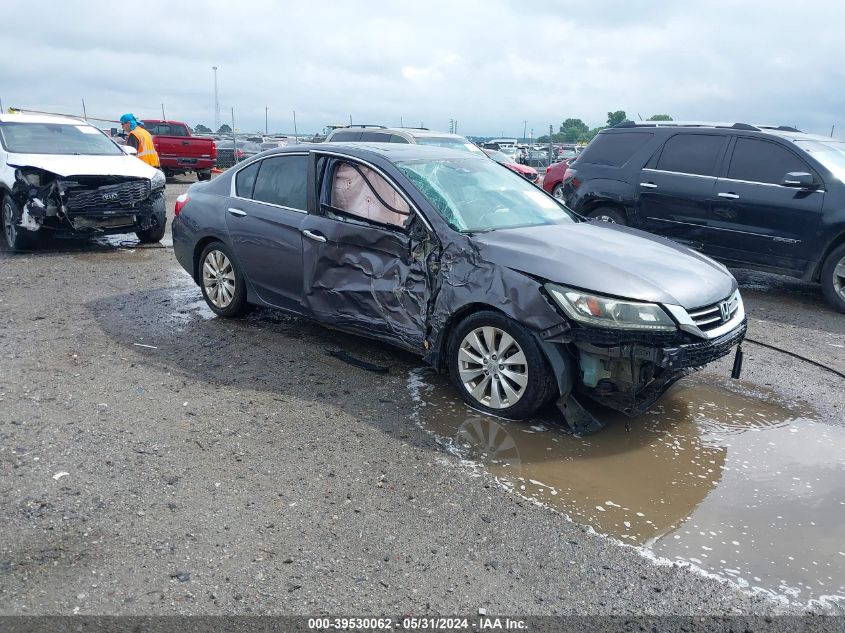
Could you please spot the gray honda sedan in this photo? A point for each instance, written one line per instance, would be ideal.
(447, 255)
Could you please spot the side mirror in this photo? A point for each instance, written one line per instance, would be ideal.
(128, 149)
(799, 180)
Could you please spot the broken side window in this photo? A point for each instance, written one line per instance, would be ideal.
(360, 191)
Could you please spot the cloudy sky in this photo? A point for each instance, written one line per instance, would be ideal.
(490, 64)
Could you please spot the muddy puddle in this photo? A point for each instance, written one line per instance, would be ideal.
(720, 474)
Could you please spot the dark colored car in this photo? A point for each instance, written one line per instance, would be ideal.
(529, 173)
(449, 256)
(769, 198)
(553, 180)
(229, 153)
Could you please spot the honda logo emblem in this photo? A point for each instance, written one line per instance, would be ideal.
(109, 197)
(725, 310)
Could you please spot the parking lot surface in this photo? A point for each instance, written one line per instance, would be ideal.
(156, 459)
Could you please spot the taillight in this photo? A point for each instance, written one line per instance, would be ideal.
(181, 201)
(213, 149)
(548, 169)
(569, 176)
(239, 153)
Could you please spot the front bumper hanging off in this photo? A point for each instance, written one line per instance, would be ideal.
(651, 364)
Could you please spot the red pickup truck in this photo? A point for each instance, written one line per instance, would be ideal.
(179, 151)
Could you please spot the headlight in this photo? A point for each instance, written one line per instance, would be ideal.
(611, 313)
(158, 181)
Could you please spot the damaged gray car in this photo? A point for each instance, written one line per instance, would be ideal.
(522, 302)
(61, 176)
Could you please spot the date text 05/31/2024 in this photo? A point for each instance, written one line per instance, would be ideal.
(412, 624)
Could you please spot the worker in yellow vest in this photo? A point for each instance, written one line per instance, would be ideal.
(140, 139)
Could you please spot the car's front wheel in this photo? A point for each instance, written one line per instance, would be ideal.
(156, 232)
(557, 192)
(223, 286)
(498, 367)
(15, 238)
(833, 278)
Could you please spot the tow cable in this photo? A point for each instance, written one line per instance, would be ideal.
(794, 355)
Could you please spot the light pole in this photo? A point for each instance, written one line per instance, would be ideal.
(216, 102)
(265, 119)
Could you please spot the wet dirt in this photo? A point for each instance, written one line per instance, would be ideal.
(722, 475)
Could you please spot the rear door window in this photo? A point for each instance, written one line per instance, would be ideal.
(614, 149)
(395, 138)
(282, 180)
(761, 161)
(375, 137)
(691, 154)
(345, 136)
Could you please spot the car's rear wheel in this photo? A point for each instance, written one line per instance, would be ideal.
(557, 192)
(498, 367)
(15, 238)
(608, 214)
(204, 175)
(833, 278)
(223, 286)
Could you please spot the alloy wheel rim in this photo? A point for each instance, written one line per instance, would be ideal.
(492, 367)
(839, 278)
(218, 279)
(9, 224)
(605, 218)
(558, 193)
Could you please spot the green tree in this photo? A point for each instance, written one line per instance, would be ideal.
(615, 118)
(201, 129)
(224, 129)
(574, 124)
(660, 117)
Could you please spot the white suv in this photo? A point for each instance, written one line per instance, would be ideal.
(61, 175)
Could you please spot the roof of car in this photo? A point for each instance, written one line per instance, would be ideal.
(16, 117)
(784, 131)
(394, 152)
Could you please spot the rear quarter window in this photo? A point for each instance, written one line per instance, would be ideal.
(614, 149)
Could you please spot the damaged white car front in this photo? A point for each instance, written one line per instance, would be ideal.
(64, 177)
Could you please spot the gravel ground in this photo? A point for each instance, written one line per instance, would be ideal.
(234, 467)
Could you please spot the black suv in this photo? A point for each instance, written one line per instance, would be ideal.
(770, 198)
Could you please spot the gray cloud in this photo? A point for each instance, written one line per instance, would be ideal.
(491, 65)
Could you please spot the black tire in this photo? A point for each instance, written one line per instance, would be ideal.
(237, 305)
(833, 278)
(540, 387)
(14, 237)
(203, 175)
(609, 214)
(156, 232)
(557, 192)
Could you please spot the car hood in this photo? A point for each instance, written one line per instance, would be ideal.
(123, 165)
(522, 169)
(612, 260)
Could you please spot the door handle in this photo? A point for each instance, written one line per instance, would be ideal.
(317, 237)
(236, 212)
(648, 185)
(729, 196)
(186, 142)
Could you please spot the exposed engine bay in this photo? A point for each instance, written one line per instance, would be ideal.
(86, 204)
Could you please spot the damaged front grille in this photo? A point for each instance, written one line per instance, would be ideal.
(124, 194)
(700, 354)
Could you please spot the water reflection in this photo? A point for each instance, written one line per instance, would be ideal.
(721, 474)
